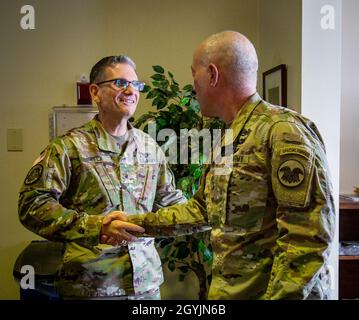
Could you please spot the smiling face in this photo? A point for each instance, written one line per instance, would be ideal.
(116, 102)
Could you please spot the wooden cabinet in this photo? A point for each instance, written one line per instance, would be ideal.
(349, 264)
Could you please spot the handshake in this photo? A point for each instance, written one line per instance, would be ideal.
(115, 229)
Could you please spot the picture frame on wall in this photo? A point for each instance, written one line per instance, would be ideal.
(275, 85)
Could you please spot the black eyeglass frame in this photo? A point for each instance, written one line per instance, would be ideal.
(137, 85)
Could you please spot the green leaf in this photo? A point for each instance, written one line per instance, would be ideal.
(206, 252)
(194, 105)
(159, 92)
(184, 269)
(184, 101)
(158, 77)
(162, 242)
(170, 74)
(157, 84)
(159, 102)
(142, 119)
(150, 95)
(161, 122)
(194, 245)
(183, 183)
(180, 243)
(197, 173)
(192, 168)
(166, 250)
(174, 88)
(171, 265)
(201, 246)
(207, 256)
(175, 110)
(188, 87)
(146, 88)
(194, 189)
(183, 252)
(158, 69)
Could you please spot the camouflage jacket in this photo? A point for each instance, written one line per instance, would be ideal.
(271, 209)
(78, 179)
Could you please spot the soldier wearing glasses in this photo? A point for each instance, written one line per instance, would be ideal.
(74, 189)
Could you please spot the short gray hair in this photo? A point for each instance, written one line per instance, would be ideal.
(98, 69)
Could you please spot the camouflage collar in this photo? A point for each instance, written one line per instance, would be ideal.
(244, 114)
(104, 140)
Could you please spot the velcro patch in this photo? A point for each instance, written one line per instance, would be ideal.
(34, 174)
(291, 173)
(295, 150)
(293, 168)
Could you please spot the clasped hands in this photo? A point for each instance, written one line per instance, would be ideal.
(115, 229)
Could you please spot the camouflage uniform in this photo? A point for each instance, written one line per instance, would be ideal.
(271, 212)
(78, 179)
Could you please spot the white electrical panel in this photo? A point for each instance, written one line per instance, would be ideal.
(63, 119)
(14, 140)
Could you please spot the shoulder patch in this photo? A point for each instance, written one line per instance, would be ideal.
(34, 174)
(295, 150)
(291, 173)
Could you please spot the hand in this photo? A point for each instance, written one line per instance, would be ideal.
(114, 229)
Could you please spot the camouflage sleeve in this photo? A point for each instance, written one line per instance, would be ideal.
(175, 220)
(305, 211)
(39, 208)
(166, 192)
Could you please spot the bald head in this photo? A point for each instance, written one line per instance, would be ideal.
(236, 56)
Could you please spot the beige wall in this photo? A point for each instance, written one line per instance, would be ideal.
(39, 69)
(280, 40)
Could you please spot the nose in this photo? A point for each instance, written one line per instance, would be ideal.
(129, 90)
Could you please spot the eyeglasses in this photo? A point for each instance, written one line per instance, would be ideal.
(123, 84)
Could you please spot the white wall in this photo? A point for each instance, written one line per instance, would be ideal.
(321, 90)
(349, 139)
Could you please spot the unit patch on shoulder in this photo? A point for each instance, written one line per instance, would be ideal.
(291, 173)
(34, 174)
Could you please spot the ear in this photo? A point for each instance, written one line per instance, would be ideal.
(214, 75)
(94, 91)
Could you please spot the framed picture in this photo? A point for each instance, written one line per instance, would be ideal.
(275, 85)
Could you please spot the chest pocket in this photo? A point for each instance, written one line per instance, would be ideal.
(109, 180)
(138, 187)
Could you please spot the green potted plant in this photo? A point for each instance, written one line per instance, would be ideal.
(178, 109)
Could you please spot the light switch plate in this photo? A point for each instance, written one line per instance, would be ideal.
(14, 140)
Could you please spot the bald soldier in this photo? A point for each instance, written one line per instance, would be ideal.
(271, 210)
(74, 189)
